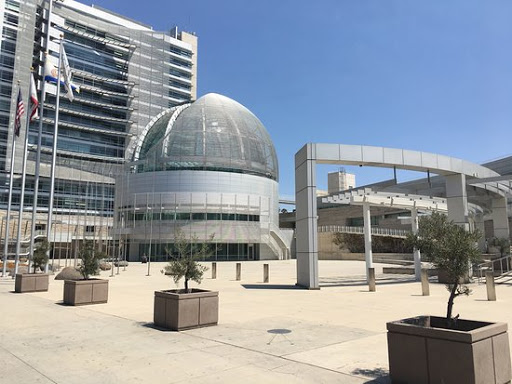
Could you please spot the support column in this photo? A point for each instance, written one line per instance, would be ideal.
(367, 239)
(306, 217)
(416, 252)
(479, 226)
(500, 218)
(456, 199)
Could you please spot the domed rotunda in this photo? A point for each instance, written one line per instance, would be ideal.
(206, 168)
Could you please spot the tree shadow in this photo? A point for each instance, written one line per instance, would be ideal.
(378, 375)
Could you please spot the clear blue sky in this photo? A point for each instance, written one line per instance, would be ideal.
(429, 75)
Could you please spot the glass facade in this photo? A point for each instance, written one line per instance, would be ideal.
(127, 73)
(9, 33)
(206, 168)
(213, 133)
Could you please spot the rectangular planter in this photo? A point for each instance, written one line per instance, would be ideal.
(421, 350)
(31, 282)
(178, 311)
(82, 292)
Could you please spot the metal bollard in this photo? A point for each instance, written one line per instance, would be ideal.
(214, 270)
(425, 288)
(265, 273)
(371, 279)
(238, 271)
(491, 288)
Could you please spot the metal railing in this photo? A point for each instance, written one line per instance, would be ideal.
(376, 231)
(499, 265)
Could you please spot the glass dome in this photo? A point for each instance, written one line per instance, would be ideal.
(213, 133)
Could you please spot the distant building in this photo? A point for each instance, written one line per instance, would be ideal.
(340, 181)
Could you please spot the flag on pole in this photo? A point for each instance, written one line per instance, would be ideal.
(50, 75)
(34, 103)
(20, 110)
(66, 70)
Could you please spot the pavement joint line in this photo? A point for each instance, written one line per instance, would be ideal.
(330, 345)
(28, 365)
(275, 356)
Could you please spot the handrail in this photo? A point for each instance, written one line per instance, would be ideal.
(482, 267)
(360, 230)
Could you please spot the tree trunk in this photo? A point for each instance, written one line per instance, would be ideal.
(450, 302)
(186, 285)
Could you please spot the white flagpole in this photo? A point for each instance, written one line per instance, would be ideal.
(54, 154)
(23, 178)
(39, 139)
(6, 239)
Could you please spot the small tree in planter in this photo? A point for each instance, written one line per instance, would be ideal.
(430, 349)
(34, 282)
(40, 258)
(87, 290)
(184, 264)
(179, 309)
(450, 248)
(90, 260)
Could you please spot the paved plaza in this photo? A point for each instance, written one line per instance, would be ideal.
(267, 333)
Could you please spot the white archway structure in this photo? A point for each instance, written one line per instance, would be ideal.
(455, 172)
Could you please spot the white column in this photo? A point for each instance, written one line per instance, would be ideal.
(306, 217)
(457, 200)
(417, 255)
(500, 217)
(367, 238)
(479, 225)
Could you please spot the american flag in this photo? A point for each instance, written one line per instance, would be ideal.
(20, 110)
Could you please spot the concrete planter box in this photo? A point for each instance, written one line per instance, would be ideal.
(421, 350)
(31, 282)
(81, 292)
(177, 311)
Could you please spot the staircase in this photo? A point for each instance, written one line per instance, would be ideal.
(501, 268)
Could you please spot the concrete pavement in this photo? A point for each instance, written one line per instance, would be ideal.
(267, 332)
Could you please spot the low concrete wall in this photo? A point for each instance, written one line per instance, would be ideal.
(327, 250)
(392, 258)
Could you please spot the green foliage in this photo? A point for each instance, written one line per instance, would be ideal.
(380, 244)
(40, 258)
(448, 247)
(184, 264)
(90, 260)
(503, 245)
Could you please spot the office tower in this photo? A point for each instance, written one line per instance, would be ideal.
(127, 73)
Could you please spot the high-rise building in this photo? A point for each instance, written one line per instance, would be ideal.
(127, 74)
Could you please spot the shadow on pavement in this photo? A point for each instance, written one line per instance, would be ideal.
(271, 286)
(379, 375)
(353, 281)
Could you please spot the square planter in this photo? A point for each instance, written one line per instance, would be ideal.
(177, 311)
(82, 292)
(31, 282)
(423, 350)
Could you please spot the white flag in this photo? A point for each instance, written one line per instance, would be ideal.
(66, 72)
(50, 75)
